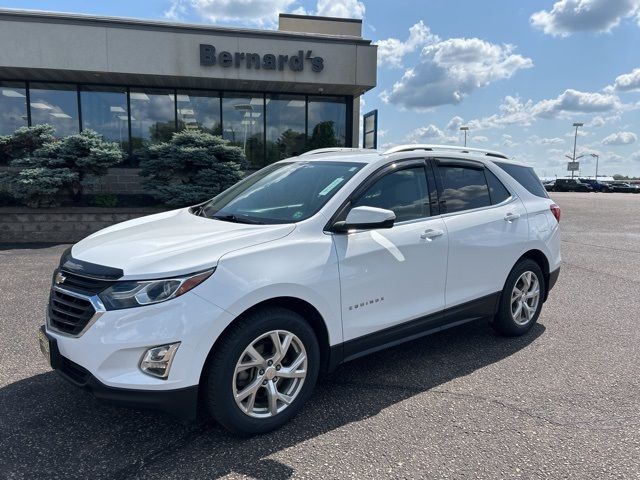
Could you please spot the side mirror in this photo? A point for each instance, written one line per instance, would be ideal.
(364, 218)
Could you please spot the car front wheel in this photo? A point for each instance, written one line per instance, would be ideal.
(262, 371)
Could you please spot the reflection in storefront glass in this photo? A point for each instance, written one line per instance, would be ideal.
(242, 117)
(152, 116)
(285, 126)
(13, 107)
(55, 104)
(290, 124)
(327, 122)
(199, 110)
(104, 110)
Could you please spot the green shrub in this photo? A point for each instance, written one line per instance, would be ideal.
(60, 167)
(104, 200)
(24, 141)
(192, 167)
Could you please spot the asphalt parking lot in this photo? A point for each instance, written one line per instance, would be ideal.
(560, 402)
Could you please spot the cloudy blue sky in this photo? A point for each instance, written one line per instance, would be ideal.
(517, 73)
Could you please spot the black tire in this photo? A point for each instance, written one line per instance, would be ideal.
(504, 322)
(219, 374)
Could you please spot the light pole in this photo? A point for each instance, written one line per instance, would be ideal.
(575, 142)
(597, 157)
(465, 130)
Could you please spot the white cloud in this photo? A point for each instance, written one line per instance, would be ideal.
(507, 141)
(574, 101)
(455, 123)
(513, 111)
(480, 138)
(620, 138)
(262, 13)
(257, 12)
(176, 10)
(571, 16)
(430, 134)
(572, 133)
(391, 51)
(635, 156)
(342, 8)
(535, 139)
(628, 82)
(450, 70)
(599, 120)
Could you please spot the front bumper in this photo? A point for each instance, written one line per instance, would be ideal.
(105, 359)
(181, 402)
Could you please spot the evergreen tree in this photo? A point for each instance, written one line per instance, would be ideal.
(60, 166)
(24, 141)
(192, 167)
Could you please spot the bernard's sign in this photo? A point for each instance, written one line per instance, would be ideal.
(296, 63)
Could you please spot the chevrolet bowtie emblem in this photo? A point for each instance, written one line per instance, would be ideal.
(60, 278)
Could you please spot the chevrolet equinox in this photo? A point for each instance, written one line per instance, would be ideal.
(236, 305)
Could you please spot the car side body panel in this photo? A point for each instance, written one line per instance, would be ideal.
(301, 266)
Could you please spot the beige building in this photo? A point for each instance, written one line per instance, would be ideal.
(275, 93)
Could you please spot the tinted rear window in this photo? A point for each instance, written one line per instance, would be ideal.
(497, 190)
(463, 188)
(526, 177)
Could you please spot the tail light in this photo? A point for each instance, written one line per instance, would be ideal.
(555, 209)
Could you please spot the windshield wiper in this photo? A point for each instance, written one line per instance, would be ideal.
(199, 211)
(235, 219)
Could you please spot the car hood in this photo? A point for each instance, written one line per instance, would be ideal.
(171, 243)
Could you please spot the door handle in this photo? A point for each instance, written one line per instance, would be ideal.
(431, 233)
(510, 217)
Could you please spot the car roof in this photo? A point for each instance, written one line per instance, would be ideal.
(369, 156)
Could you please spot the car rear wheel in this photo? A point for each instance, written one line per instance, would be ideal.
(521, 299)
(262, 371)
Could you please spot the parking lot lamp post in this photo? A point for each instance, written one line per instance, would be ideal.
(465, 130)
(575, 142)
(597, 157)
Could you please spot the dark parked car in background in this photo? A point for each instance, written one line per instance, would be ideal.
(597, 185)
(623, 187)
(549, 186)
(571, 185)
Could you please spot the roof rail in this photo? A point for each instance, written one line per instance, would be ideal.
(318, 151)
(430, 147)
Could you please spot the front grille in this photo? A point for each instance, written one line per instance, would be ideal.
(86, 285)
(68, 313)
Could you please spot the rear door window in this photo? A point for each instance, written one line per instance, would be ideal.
(526, 177)
(463, 188)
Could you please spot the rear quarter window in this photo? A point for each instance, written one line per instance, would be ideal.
(526, 177)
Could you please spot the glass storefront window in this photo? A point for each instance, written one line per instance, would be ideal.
(13, 107)
(285, 126)
(243, 120)
(327, 122)
(152, 116)
(55, 104)
(199, 110)
(104, 110)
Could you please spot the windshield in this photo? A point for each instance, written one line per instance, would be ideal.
(280, 193)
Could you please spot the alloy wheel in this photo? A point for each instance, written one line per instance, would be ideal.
(525, 298)
(269, 374)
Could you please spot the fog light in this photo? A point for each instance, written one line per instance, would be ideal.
(157, 360)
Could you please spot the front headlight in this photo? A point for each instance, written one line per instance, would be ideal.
(130, 294)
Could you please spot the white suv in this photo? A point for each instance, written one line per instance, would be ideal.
(239, 303)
